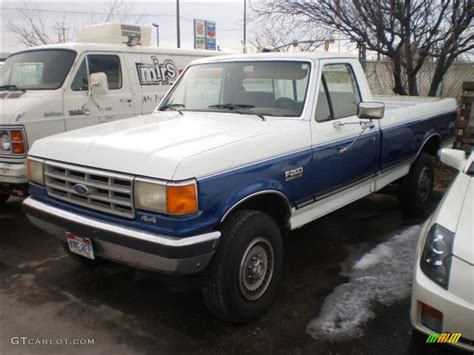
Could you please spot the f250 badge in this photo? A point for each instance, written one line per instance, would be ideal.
(294, 173)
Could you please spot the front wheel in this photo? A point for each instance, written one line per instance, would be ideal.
(241, 282)
(4, 198)
(416, 188)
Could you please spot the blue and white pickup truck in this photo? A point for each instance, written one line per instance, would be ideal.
(240, 148)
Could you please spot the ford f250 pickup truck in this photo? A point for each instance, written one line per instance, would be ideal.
(240, 148)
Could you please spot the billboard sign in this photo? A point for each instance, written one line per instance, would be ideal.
(199, 29)
(205, 34)
(211, 30)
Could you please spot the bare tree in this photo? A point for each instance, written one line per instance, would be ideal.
(281, 34)
(409, 32)
(32, 28)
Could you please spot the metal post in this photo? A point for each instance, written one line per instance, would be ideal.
(245, 26)
(157, 26)
(178, 35)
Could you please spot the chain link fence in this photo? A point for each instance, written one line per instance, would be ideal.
(379, 75)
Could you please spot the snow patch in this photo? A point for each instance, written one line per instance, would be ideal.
(383, 275)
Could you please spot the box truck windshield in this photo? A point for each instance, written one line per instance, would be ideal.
(37, 70)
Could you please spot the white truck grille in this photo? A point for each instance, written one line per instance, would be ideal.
(95, 189)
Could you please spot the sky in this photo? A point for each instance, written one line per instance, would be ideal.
(228, 15)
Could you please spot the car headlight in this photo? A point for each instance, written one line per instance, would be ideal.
(173, 199)
(35, 170)
(5, 143)
(437, 254)
(12, 141)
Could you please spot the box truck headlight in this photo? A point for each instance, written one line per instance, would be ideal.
(12, 141)
(34, 170)
(5, 144)
(437, 254)
(173, 199)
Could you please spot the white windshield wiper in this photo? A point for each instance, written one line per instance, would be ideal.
(239, 108)
(173, 107)
(11, 87)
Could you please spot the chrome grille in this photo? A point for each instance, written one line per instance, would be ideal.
(95, 189)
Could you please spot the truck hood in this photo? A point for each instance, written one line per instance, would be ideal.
(17, 105)
(152, 145)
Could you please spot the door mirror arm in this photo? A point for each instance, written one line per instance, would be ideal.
(365, 125)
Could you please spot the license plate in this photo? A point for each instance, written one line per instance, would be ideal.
(79, 245)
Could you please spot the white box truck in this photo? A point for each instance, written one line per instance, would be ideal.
(110, 72)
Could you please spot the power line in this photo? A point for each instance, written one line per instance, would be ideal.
(115, 13)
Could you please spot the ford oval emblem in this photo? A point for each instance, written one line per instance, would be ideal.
(81, 189)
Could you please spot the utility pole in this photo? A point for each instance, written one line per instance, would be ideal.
(178, 35)
(157, 26)
(245, 26)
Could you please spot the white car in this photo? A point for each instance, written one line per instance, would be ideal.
(443, 287)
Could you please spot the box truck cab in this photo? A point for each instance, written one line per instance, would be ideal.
(110, 72)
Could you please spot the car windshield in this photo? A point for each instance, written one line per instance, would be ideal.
(36, 70)
(264, 88)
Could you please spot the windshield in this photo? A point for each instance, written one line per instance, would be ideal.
(37, 70)
(270, 88)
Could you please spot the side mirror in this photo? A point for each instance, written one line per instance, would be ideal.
(98, 84)
(371, 110)
(454, 158)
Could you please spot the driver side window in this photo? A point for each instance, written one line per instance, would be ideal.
(97, 63)
(339, 94)
(81, 81)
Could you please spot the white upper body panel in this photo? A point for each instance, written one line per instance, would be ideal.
(456, 213)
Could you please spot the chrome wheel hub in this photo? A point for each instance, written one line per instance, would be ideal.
(256, 269)
(424, 184)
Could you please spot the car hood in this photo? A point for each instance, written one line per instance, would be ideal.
(152, 145)
(456, 214)
(464, 239)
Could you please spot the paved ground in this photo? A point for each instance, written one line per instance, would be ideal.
(45, 294)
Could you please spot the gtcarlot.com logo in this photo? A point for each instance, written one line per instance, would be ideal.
(50, 341)
(443, 338)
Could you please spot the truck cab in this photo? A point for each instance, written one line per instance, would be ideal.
(103, 76)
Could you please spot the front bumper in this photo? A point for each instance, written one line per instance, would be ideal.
(13, 173)
(458, 314)
(185, 255)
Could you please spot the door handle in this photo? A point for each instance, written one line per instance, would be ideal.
(126, 100)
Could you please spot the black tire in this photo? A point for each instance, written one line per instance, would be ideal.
(418, 343)
(416, 188)
(83, 260)
(250, 254)
(4, 198)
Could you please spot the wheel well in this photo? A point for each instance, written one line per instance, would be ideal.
(432, 145)
(273, 204)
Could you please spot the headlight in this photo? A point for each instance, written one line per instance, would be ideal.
(34, 170)
(173, 199)
(437, 255)
(12, 141)
(5, 143)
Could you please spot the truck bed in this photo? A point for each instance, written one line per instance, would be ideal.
(398, 102)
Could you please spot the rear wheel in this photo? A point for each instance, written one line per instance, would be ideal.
(416, 188)
(242, 279)
(4, 198)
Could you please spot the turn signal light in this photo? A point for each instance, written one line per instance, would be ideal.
(181, 199)
(18, 148)
(18, 142)
(16, 136)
